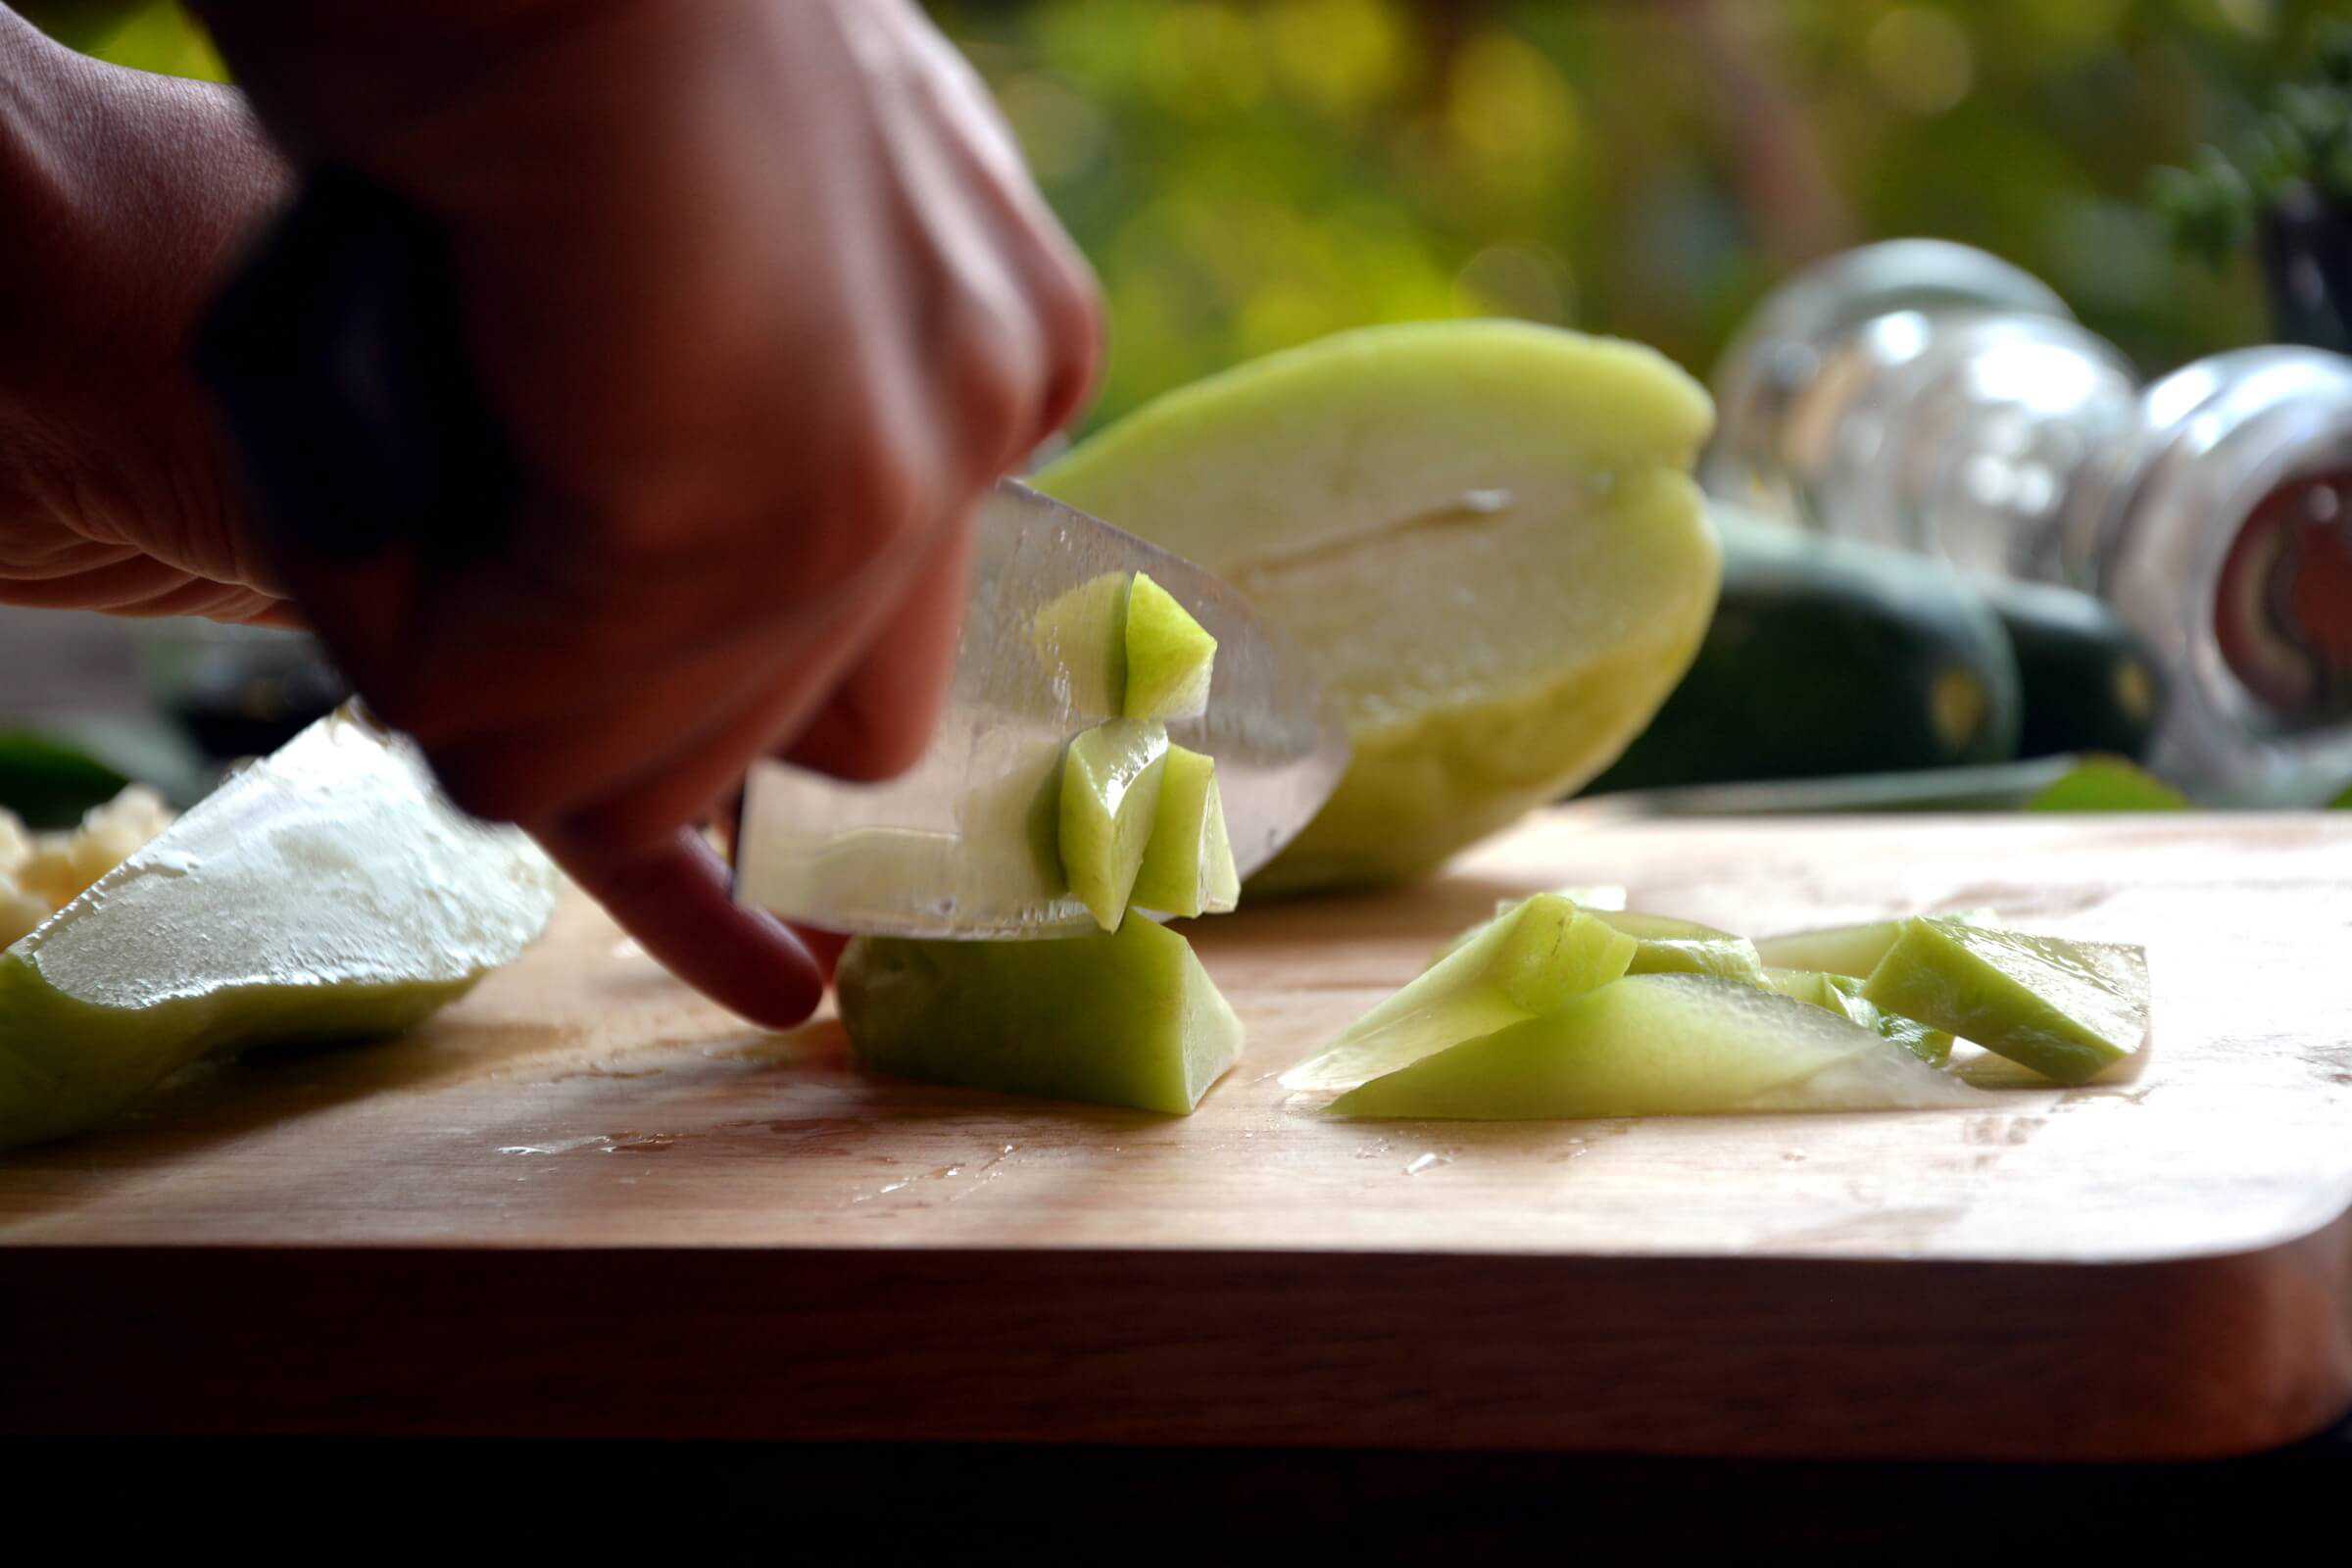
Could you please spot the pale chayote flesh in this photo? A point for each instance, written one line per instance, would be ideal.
(324, 892)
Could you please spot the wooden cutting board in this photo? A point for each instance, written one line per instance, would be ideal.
(585, 1203)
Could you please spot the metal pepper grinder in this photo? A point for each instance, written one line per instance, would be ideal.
(1931, 397)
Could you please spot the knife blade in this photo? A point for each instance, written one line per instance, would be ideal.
(963, 844)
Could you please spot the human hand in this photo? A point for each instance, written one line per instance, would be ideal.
(126, 195)
(762, 300)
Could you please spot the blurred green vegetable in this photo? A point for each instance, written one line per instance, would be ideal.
(51, 775)
(2109, 784)
(2090, 683)
(155, 35)
(1830, 658)
(50, 784)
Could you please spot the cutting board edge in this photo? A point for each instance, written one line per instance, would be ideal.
(1945, 1361)
(2218, 1251)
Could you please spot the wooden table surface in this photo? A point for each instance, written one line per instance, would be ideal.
(586, 1202)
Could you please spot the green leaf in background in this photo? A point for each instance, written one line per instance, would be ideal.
(2208, 208)
(2344, 802)
(2109, 784)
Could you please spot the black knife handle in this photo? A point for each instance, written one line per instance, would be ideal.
(336, 355)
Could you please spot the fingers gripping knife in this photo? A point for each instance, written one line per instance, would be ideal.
(336, 356)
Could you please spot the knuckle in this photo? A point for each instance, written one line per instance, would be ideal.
(881, 486)
(870, 501)
(1075, 308)
(1070, 309)
(998, 394)
(993, 342)
(1000, 379)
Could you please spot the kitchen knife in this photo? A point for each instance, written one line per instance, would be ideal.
(335, 357)
(963, 844)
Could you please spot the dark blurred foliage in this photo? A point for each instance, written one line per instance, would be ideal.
(2298, 152)
(1249, 176)
(2287, 185)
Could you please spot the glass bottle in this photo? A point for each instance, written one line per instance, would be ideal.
(1928, 396)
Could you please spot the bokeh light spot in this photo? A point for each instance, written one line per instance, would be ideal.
(1921, 59)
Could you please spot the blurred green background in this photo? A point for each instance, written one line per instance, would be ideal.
(1249, 175)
